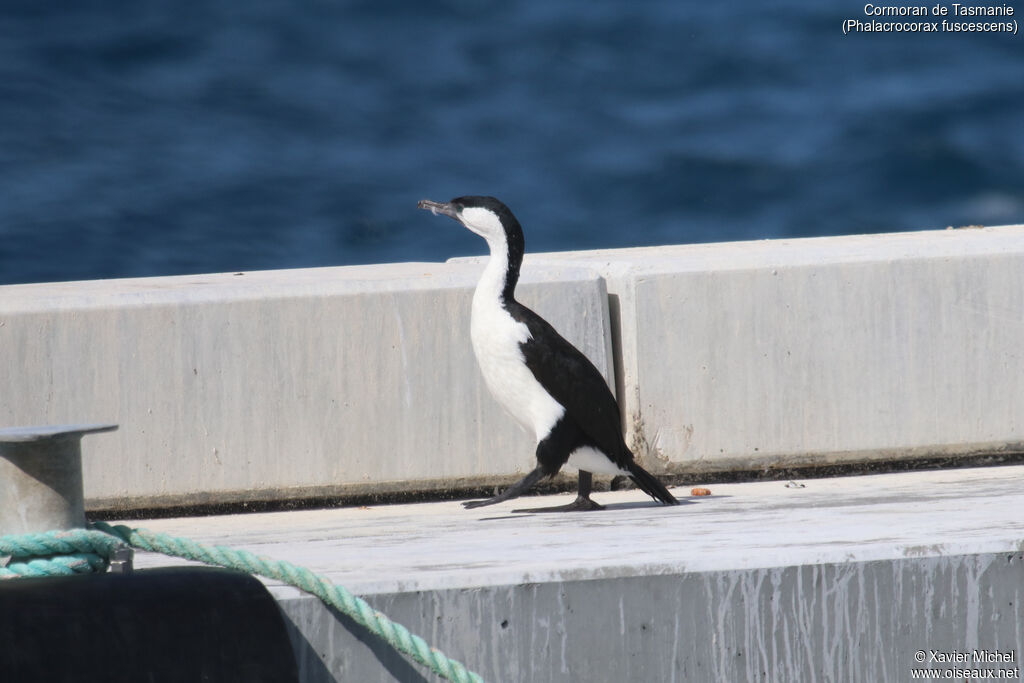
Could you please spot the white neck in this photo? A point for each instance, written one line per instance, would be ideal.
(492, 280)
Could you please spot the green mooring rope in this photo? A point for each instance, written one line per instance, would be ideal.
(55, 553)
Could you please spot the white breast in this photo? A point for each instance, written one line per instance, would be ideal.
(496, 337)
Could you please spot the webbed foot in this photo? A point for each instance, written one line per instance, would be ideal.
(581, 504)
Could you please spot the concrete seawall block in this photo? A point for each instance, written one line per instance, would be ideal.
(276, 384)
(817, 351)
(361, 380)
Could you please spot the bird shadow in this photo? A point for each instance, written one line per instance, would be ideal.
(609, 507)
(643, 504)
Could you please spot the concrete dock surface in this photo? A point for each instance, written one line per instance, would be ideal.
(822, 579)
(425, 546)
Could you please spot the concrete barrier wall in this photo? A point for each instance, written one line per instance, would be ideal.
(817, 351)
(276, 384)
(354, 380)
(855, 621)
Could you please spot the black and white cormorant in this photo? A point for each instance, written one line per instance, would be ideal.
(547, 384)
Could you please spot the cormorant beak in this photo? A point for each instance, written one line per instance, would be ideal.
(443, 208)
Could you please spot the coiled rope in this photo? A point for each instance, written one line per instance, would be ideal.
(82, 551)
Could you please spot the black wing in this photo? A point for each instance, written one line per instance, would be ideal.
(573, 381)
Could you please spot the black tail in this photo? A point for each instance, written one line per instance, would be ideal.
(649, 485)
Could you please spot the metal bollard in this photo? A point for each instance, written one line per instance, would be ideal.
(41, 477)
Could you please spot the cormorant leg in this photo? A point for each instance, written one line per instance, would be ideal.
(582, 502)
(516, 489)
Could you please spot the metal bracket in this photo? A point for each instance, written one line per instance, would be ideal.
(121, 562)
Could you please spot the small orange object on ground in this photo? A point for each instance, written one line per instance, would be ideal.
(700, 491)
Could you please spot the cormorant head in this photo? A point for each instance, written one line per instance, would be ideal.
(486, 216)
(489, 218)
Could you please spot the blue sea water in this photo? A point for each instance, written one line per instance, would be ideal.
(152, 138)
